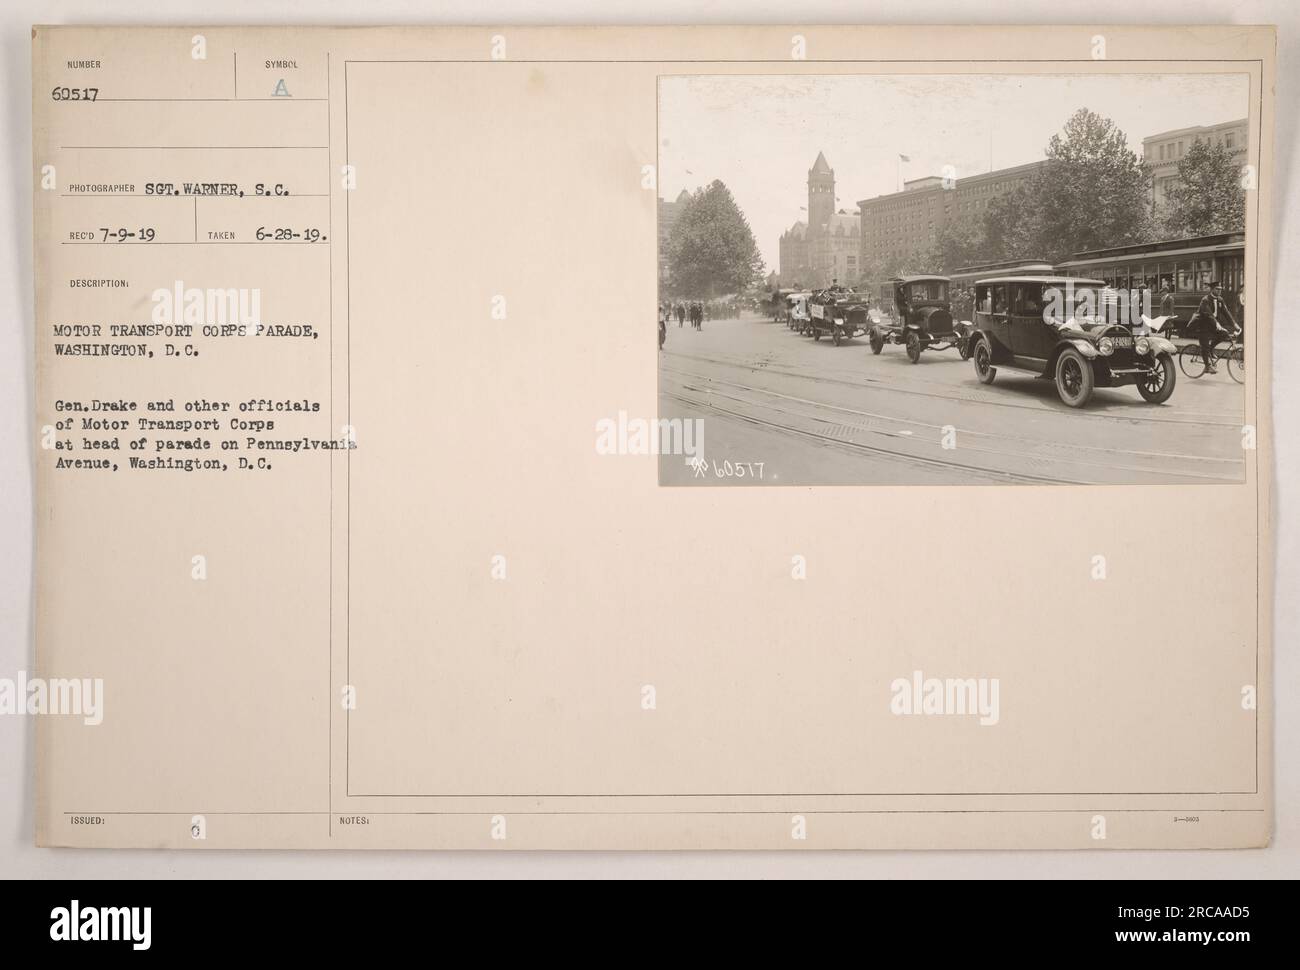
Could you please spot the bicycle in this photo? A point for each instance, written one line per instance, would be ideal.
(1227, 349)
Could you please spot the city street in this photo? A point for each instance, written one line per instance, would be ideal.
(812, 413)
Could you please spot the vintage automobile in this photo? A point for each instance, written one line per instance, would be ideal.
(921, 319)
(796, 314)
(780, 305)
(1057, 328)
(838, 311)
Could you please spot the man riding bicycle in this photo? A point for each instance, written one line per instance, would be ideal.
(1205, 325)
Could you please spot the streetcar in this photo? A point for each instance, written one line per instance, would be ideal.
(1186, 266)
(967, 276)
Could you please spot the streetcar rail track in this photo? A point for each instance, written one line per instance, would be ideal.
(857, 446)
(835, 435)
(1002, 400)
(992, 435)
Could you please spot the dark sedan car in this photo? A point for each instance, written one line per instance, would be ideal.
(1068, 330)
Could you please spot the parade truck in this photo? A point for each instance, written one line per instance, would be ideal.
(780, 305)
(921, 318)
(839, 312)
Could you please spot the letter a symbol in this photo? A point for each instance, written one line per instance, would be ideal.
(280, 90)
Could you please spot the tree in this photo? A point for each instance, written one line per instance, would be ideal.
(1092, 193)
(1208, 197)
(1010, 226)
(959, 242)
(873, 270)
(919, 261)
(883, 268)
(711, 250)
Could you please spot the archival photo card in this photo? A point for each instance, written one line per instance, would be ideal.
(368, 518)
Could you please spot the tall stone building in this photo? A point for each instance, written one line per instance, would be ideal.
(825, 247)
(1164, 150)
(900, 226)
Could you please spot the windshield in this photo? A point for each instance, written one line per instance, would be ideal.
(929, 291)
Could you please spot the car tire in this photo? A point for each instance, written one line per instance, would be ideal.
(963, 348)
(983, 358)
(1074, 378)
(836, 337)
(1159, 393)
(877, 341)
(914, 347)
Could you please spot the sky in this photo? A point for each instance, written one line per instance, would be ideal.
(760, 134)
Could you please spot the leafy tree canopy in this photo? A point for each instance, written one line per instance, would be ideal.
(1093, 192)
(711, 250)
(1209, 197)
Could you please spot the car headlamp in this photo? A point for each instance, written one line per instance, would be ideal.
(1143, 345)
(1105, 346)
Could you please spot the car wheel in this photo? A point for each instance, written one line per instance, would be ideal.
(963, 348)
(983, 357)
(1074, 378)
(1156, 388)
(914, 347)
(877, 341)
(836, 336)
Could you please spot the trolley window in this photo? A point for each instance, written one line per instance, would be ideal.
(1204, 273)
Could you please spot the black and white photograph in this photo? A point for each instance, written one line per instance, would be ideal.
(953, 279)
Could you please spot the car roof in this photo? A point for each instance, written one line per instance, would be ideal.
(1061, 280)
(921, 276)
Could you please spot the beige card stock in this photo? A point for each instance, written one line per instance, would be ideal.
(348, 536)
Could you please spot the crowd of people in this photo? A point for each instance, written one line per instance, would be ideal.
(696, 312)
